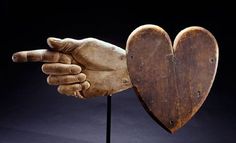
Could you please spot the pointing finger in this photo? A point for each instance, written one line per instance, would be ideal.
(41, 55)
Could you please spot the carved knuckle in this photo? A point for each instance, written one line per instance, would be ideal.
(90, 39)
(81, 77)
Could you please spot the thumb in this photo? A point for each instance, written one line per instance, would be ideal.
(63, 45)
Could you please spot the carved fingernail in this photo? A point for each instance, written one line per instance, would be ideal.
(14, 58)
(54, 42)
(57, 40)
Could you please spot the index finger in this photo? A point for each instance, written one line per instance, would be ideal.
(42, 55)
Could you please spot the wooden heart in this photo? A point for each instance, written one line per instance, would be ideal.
(172, 82)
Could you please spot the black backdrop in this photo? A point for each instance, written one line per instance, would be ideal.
(32, 111)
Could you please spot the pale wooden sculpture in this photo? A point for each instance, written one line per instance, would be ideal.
(172, 82)
(82, 68)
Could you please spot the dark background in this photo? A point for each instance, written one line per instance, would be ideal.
(32, 111)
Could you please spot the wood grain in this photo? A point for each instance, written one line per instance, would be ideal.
(172, 82)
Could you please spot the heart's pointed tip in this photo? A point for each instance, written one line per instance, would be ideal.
(172, 131)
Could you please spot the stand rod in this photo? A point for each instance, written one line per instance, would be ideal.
(108, 130)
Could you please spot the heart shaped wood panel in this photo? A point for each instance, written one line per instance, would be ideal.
(172, 82)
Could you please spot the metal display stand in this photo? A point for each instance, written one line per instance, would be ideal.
(108, 128)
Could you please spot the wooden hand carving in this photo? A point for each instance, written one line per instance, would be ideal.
(81, 68)
(172, 81)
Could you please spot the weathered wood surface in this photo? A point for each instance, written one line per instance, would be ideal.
(172, 82)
